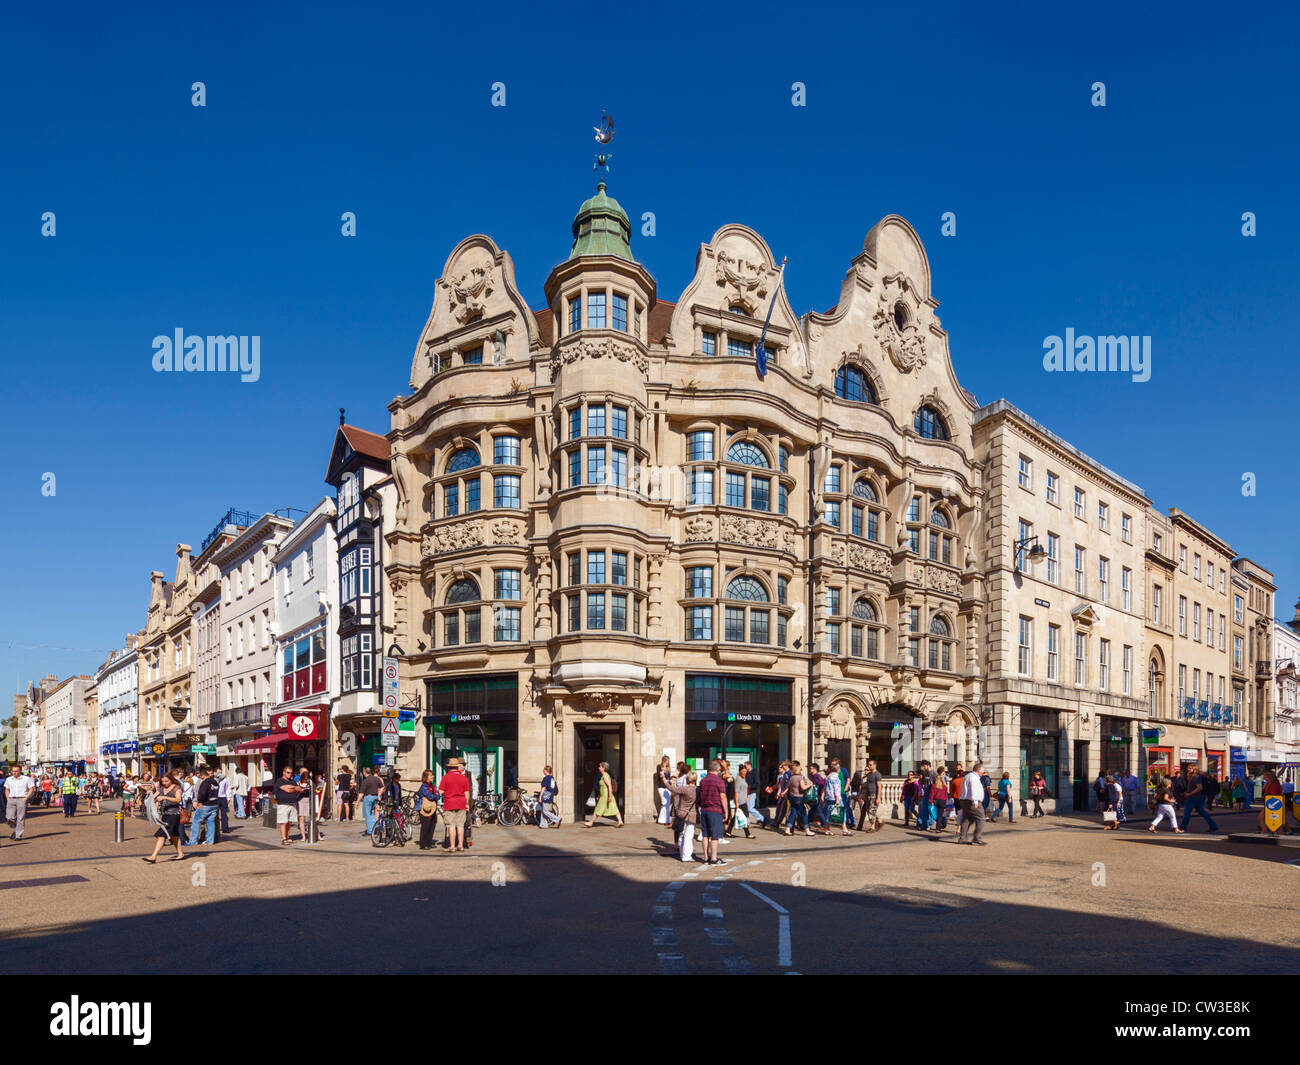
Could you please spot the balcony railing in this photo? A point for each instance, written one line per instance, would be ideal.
(239, 717)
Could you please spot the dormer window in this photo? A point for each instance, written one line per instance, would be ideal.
(929, 424)
(851, 383)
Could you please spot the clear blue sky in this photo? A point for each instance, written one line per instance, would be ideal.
(225, 219)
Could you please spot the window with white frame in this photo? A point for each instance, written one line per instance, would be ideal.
(1053, 558)
(1080, 658)
(1080, 574)
(1025, 651)
(1053, 652)
(1080, 504)
(1103, 517)
(1126, 663)
(1126, 588)
(1104, 663)
(1053, 488)
(1126, 528)
(1026, 473)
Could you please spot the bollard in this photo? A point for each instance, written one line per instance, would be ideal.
(119, 827)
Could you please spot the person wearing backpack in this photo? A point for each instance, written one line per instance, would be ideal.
(1195, 802)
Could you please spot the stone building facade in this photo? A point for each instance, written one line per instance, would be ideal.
(1064, 634)
(614, 540)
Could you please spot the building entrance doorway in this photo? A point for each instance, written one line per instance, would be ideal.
(594, 744)
(841, 750)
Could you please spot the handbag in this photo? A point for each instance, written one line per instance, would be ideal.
(187, 815)
(1109, 815)
(427, 807)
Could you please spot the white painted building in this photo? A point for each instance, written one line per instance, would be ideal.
(1286, 660)
(65, 722)
(119, 709)
(306, 617)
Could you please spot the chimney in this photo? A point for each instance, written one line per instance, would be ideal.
(155, 587)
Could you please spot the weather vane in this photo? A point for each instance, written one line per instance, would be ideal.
(604, 134)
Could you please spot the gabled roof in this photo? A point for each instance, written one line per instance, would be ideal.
(349, 441)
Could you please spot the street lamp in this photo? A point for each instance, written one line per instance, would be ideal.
(1036, 553)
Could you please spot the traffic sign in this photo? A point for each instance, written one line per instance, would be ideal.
(1274, 813)
(390, 670)
(389, 732)
(390, 703)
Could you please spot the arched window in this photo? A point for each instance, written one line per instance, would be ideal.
(757, 627)
(464, 459)
(863, 490)
(939, 518)
(941, 643)
(746, 454)
(462, 621)
(460, 488)
(851, 383)
(864, 631)
(463, 591)
(929, 423)
(746, 588)
(749, 489)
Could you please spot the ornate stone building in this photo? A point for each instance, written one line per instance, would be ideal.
(614, 539)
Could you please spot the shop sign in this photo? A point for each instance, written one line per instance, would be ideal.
(203, 748)
(1215, 740)
(1189, 754)
(1274, 813)
(1120, 739)
(158, 748)
(1150, 737)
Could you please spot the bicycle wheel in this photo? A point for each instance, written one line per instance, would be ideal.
(511, 814)
(381, 834)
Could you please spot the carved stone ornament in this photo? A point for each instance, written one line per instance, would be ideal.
(453, 538)
(871, 559)
(906, 346)
(467, 294)
(840, 723)
(505, 531)
(698, 529)
(745, 282)
(941, 580)
(599, 348)
(756, 532)
(597, 704)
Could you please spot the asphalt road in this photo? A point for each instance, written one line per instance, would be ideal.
(1051, 896)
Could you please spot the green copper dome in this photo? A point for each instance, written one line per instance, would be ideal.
(601, 228)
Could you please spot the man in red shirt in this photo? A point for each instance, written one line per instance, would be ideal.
(455, 804)
(713, 811)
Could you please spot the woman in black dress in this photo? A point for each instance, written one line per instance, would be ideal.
(167, 796)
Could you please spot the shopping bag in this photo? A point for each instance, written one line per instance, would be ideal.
(837, 814)
(1109, 815)
(741, 820)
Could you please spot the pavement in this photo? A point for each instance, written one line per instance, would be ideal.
(1054, 895)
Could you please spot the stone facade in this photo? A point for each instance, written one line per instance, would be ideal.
(1064, 636)
(612, 535)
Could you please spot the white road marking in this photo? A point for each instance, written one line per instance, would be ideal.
(663, 911)
(784, 954)
(713, 912)
(719, 937)
(672, 964)
(677, 885)
(664, 937)
(737, 963)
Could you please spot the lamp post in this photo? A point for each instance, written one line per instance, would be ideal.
(1029, 545)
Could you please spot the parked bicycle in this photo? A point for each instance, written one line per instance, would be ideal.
(519, 808)
(391, 824)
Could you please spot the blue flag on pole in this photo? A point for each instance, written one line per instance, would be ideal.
(760, 351)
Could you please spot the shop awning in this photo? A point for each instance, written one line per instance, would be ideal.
(263, 744)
